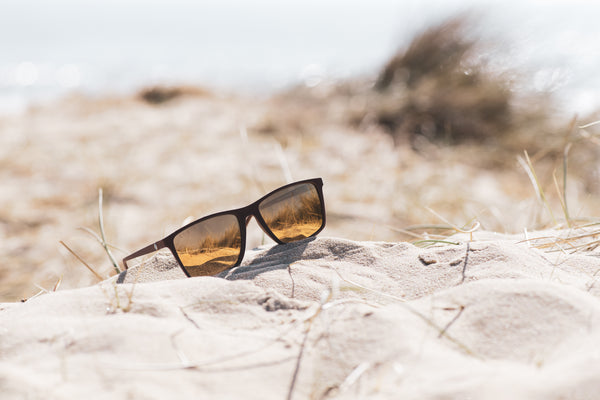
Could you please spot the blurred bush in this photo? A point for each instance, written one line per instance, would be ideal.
(435, 89)
(157, 95)
(443, 87)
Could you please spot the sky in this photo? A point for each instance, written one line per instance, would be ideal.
(50, 47)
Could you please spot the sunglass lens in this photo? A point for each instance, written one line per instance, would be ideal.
(293, 213)
(210, 246)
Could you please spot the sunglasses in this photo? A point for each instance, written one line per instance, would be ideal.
(215, 243)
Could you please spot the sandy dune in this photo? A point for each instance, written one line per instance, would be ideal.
(492, 318)
(389, 302)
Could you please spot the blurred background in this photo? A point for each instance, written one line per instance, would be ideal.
(416, 114)
(53, 47)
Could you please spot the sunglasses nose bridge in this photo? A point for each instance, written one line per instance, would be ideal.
(250, 212)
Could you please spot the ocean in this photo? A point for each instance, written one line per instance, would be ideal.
(53, 47)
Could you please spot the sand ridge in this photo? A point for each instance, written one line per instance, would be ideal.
(490, 318)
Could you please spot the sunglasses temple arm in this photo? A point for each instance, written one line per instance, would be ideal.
(146, 250)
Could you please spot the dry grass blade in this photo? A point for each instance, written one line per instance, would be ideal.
(355, 375)
(57, 284)
(537, 186)
(589, 125)
(585, 241)
(102, 234)
(565, 170)
(81, 260)
(562, 198)
(43, 290)
(449, 324)
(434, 241)
(594, 138)
(476, 225)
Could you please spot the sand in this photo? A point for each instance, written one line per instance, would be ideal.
(489, 318)
(371, 309)
(357, 313)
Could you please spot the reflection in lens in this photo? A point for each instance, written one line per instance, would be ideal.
(293, 213)
(210, 246)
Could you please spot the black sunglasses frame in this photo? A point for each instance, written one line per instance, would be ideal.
(243, 216)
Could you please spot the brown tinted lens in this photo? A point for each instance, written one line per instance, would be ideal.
(210, 246)
(293, 213)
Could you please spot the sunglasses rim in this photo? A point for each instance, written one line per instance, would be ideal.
(243, 215)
